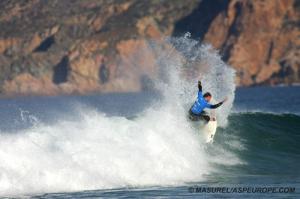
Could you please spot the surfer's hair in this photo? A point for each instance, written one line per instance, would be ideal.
(207, 95)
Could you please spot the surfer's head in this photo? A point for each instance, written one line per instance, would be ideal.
(207, 96)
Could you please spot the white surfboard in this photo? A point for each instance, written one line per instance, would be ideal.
(209, 131)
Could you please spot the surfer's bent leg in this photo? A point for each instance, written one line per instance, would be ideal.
(204, 116)
(193, 116)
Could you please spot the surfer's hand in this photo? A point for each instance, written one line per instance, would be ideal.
(199, 86)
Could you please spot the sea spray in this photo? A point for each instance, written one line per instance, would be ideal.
(188, 61)
(156, 148)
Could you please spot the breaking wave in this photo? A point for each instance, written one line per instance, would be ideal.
(157, 147)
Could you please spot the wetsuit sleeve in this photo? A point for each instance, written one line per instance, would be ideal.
(199, 86)
(200, 90)
(215, 105)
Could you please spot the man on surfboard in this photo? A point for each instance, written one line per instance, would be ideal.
(197, 112)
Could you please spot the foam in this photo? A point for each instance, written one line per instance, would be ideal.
(159, 147)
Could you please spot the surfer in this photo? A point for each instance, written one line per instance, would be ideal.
(197, 112)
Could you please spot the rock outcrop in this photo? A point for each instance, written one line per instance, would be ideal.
(260, 39)
(64, 47)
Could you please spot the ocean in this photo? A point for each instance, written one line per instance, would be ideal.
(142, 145)
(127, 146)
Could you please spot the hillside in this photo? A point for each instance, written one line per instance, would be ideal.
(63, 47)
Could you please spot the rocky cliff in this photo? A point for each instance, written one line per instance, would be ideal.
(259, 38)
(55, 47)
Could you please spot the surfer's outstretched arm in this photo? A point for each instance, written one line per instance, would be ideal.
(218, 104)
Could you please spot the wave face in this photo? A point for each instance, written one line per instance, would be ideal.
(267, 143)
(96, 151)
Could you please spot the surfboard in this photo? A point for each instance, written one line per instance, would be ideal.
(209, 131)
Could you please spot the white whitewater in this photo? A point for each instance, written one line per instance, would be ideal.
(159, 147)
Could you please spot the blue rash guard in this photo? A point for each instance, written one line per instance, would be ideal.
(200, 104)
